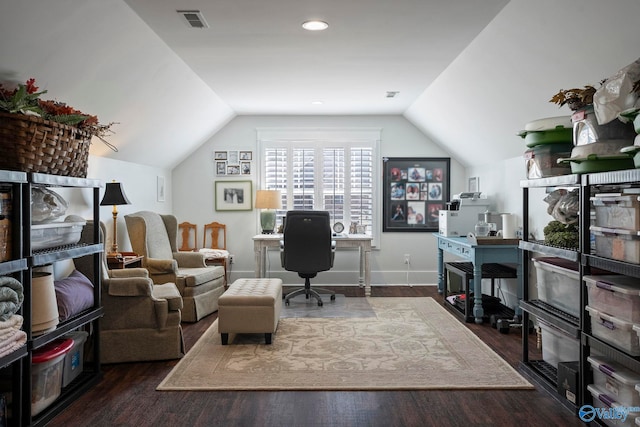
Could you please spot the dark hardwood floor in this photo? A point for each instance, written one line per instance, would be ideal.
(126, 396)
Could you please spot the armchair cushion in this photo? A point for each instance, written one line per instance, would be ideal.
(129, 287)
(73, 294)
(169, 292)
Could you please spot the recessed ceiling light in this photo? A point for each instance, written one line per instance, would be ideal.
(317, 102)
(315, 25)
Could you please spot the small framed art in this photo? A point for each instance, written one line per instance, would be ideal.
(233, 195)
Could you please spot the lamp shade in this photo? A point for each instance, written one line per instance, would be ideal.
(114, 195)
(268, 199)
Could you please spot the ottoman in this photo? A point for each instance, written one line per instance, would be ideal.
(250, 306)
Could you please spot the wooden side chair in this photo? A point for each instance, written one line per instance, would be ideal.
(214, 245)
(186, 229)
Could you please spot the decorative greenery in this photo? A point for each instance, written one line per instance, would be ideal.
(576, 98)
(561, 235)
(25, 99)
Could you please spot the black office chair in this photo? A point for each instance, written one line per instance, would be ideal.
(307, 249)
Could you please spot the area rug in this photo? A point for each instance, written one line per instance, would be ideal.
(410, 344)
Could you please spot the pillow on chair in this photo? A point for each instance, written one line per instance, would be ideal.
(74, 294)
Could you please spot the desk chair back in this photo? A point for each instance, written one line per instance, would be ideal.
(307, 242)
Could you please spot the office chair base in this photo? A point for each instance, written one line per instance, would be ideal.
(310, 292)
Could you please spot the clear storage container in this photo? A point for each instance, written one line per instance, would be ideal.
(44, 236)
(615, 331)
(558, 283)
(619, 244)
(46, 374)
(619, 417)
(557, 345)
(617, 211)
(74, 359)
(618, 381)
(616, 295)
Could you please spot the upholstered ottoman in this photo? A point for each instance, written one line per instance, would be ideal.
(250, 306)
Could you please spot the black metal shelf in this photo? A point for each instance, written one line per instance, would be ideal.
(611, 352)
(63, 181)
(551, 181)
(12, 266)
(48, 256)
(546, 376)
(619, 267)
(540, 246)
(558, 318)
(81, 319)
(13, 356)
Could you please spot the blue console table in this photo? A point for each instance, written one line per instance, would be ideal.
(479, 254)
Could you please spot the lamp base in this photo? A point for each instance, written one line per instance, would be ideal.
(268, 221)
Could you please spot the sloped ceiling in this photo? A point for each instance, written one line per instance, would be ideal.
(469, 74)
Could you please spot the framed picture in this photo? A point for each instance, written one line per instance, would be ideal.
(160, 189)
(245, 168)
(414, 191)
(221, 168)
(233, 158)
(220, 155)
(474, 184)
(246, 155)
(233, 195)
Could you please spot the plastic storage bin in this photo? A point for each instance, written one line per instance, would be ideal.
(558, 283)
(616, 295)
(542, 160)
(74, 359)
(617, 212)
(619, 244)
(557, 345)
(54, 234)
(618, 381)
(615, 331)
(46, 373)
(619, 417)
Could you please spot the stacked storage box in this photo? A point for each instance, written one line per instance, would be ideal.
(558, 283)
(614, 386)
(614, 308)
(548, 140)
(617, 226)
(557, 345)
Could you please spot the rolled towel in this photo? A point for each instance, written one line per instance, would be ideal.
(13, 342)
(11, 297)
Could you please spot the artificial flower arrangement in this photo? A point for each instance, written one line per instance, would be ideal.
(25, 99)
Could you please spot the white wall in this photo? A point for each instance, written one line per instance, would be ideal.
(193, 199)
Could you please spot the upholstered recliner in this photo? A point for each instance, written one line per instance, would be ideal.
(141, 320)
(154, 236)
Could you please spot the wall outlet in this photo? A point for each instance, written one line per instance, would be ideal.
(230, 258)
(407, 259)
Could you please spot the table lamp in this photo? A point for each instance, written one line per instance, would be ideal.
(114, 195)
(268, 201)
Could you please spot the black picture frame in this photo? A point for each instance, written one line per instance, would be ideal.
(414, 190)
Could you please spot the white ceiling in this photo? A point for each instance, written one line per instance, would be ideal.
(470, 73)
(256, 56)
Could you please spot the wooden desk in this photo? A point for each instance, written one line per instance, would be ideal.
(479, 254)
(262, 242)
(127, 261)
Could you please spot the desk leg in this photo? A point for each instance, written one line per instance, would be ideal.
(258, 262)
(440, 271)
(367, 273)
(519, 286)
(478, 311)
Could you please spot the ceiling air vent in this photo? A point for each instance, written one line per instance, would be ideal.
(193, 18)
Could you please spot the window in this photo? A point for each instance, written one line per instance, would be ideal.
(330, 171)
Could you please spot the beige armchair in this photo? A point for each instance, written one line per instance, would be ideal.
(141, 320)
(155, 237)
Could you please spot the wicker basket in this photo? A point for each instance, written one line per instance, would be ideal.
(32, 144)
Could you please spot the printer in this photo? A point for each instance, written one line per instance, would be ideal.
(462, 214)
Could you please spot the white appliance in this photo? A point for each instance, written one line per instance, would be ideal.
(462, 221)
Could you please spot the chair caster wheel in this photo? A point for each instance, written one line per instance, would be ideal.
(319, 303)
(286, 302)
(333, 297)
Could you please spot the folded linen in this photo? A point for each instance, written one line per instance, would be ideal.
(11, 297)
(13, 342)
(214, 253)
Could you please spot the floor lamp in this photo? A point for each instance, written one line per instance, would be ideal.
(114, 195)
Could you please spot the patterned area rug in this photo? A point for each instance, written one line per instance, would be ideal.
(411, 343)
